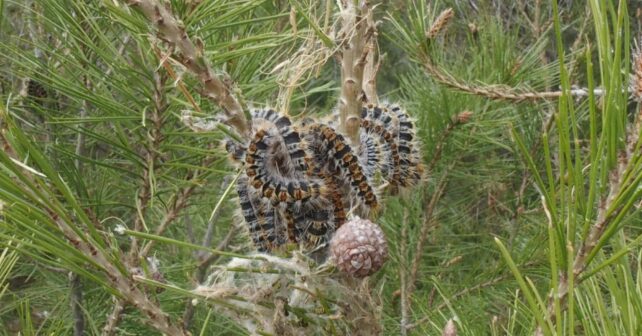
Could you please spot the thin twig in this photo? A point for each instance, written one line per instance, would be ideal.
(114, 318)
(404, 301)
(500, 92)
(428, 224)
(201, 273)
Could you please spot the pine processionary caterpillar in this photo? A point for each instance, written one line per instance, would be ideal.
(410, 162)
(298, 178)
(261, 225)
(274, 186)
(332, 144)
(375, 121)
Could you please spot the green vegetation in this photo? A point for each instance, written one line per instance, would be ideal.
(116, 200)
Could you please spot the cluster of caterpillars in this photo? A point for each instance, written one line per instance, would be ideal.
(300, 181)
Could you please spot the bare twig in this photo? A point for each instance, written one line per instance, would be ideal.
(114, 318)
(428, 224)
(190, 55)
(500, 92)
(404, 301)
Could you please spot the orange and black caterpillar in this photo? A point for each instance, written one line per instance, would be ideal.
(334, 154)
(267, 177)
(301, 180)
(376, 122)
(260, 221)
(410, 158)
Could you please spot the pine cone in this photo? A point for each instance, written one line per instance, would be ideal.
(359, 248)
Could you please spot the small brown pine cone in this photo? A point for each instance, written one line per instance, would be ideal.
(359, 248)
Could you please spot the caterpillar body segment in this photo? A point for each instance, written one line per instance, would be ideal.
(377, 122)
(333, 145)
(235, 150)
(410, 158)
(291, 139)
(267, 178)
(369, 154)
(260, 221)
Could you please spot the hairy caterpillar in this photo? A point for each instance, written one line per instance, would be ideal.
(261, 223)
(300, 179)
(273, 185)
(376, 122)
(290, 136)
(410, 161)
(331, 144)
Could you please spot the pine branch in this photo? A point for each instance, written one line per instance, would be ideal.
(190, 55)
(354, 38)
(499, 92)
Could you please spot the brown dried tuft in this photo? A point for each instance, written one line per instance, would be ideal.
(463, 117)
(440, 23)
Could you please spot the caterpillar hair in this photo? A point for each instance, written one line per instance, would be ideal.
(273, 185)
(377, 122)
(235, 150)
(410, 161)
(260, 223)
(331, 144)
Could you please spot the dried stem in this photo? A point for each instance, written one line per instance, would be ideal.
(191, 56)
(114, 318)
(404, 301)
(76, 304)
(354, 36)
(428, 224)
(499, 92)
